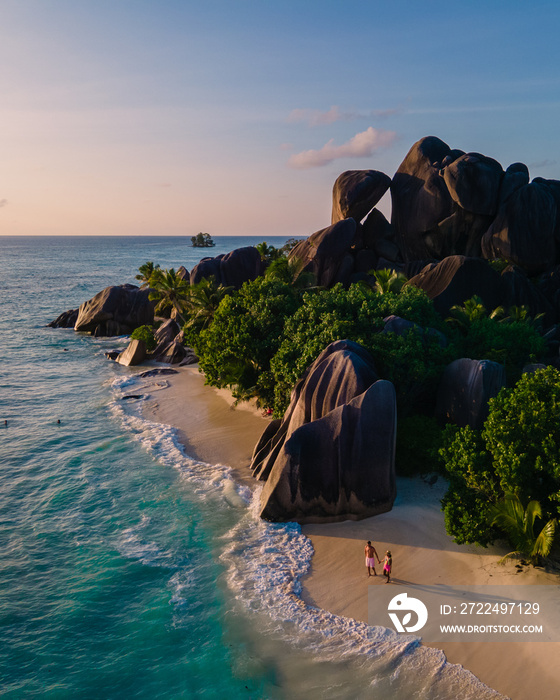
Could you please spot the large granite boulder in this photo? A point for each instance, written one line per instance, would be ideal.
(67, 319)
(323, 252)
(553, 186)
(340, 466)
(175, 353)
(459, 234)
(473, 181)
(116, 311)
(356, 192)
(518, 290)
(420, 197)
(230, 269)
(400, 326)
(342, 371)
(332, 455)
(241, 265)
(134, 354)
(456, 279)
(205, 268)
(515, 177)
(523, 231)
(377, 234)
(165, 334)
(465, 389)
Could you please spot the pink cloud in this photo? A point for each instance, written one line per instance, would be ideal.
(362, 145)
(314, 117)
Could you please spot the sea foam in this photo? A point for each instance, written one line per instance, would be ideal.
(264, 567)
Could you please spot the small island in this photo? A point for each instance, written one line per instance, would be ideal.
(202, 240)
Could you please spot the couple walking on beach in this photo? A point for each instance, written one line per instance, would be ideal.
(371, 555)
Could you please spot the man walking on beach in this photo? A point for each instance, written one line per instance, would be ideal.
(371, 554)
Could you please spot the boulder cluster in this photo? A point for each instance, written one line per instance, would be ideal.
(451, 212)
(332, 455)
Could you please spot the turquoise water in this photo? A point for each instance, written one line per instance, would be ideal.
(127, 569)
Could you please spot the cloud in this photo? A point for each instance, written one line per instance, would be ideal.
(362, 145)
(3, 202)
(315, 117)
(543, 163)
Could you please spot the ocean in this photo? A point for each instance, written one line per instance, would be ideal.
(128, 569)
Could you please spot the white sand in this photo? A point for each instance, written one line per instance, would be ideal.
(213, 431)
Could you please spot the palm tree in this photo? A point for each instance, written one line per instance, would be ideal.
(291, 271)
(169, 290)
(202, 301)
(522, 313)
(146, 271)
(268, 253)
(519, 525)
(463, 315)
(387, 280)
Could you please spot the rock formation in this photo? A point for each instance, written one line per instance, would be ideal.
(115, 311)
(332, 456)
(67, 319)
(230, 269)
(465, 389)
(134, 354)
(356, 192)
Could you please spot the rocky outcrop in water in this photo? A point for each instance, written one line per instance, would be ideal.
(67, 319)
(332, 456)
(115, 311)
(134, 354)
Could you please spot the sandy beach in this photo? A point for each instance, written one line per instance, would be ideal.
(213, 430)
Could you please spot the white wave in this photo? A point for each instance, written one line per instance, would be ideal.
(265, 564)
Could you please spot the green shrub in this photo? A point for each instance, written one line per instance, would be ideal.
(418, 442)
(411, 362)
(146, 334)
(245, 333)
(517, 452)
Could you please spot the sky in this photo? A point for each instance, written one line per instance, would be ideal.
(170, 117)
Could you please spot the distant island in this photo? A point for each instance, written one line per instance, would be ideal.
(202, 240)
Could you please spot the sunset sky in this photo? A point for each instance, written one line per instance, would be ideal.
(171, 117)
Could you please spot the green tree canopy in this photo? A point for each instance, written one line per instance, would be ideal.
(236, 348)
(410, 361)
(170, 291)
(517, 452)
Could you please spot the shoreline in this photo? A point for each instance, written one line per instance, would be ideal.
(214, 431)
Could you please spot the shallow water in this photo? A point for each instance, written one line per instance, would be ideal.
(129, 570)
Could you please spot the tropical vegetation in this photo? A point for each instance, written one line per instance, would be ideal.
(202, 240)
(517, 452)
(258, 340)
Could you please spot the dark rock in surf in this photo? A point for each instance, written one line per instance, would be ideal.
(65, 320)
(134, 354)
(115, 311)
